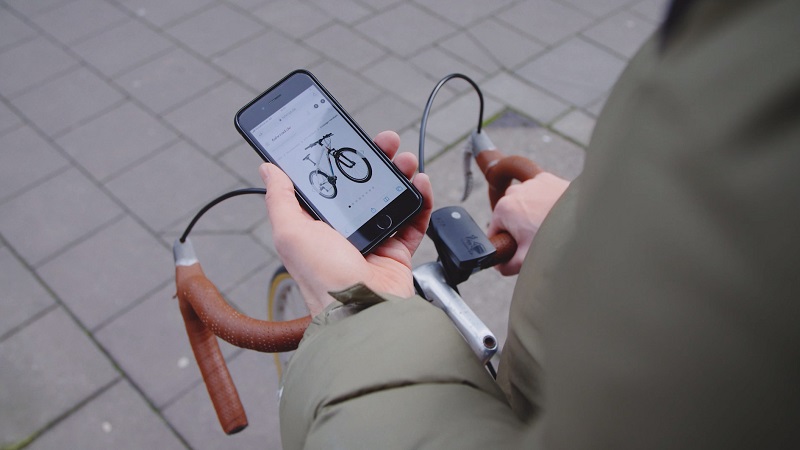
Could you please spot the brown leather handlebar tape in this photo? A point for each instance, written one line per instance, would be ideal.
(231, 325)
(206, 314)
(505, 247)
(501, 170)
(219, 383)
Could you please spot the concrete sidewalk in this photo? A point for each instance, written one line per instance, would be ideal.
(116, 126)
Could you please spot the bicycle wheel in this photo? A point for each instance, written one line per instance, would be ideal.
(285, 302)
(353, 165)
(321, 183)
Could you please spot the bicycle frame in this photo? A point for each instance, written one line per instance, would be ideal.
(328, 150)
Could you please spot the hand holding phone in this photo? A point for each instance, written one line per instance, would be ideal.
(339, 174)
(321, 260)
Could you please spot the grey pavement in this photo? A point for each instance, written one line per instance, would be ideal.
(116, 125)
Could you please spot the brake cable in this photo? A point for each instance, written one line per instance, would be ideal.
(426, 112)
(220, 199)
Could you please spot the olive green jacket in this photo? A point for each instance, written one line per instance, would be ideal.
(659, 306)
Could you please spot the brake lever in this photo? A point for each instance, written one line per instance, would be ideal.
(467, 165)
(477, 143)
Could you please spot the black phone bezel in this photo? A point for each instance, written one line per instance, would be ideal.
(373, 232)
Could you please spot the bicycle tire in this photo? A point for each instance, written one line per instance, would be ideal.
(320, 181)
(357, 177)
(285, 302)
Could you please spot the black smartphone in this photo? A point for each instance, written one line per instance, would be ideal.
(339, 174)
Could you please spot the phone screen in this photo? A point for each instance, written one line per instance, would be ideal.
(334, 168)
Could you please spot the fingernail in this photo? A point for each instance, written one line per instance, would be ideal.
(264, 171)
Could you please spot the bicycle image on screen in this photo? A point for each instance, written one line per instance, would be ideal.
(350, 162)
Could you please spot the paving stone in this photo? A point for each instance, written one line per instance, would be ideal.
(23, 295)
(46, 369)
(150, 344)
(452, 121)
(133, 43)
(524, 98)
(281, 56)
(506, 45)
(171, 184)
(54, 214)
(236, 215)
(598, 8)
(228, 259)
(169, 80)
(623, 32)
(8, 118)
(294, 18)
(386, 113)
(596, 107)
(404, 80)
(463, 12)
(576, 71)
(207, 120)
(251, 296)
(30, 63)
(30, 9)
(352, 89)
(25, 159)
(347, 11)
(409, 142)
(549, 150)
(437, 64)
(654, 10)
(160, 13)
(546, 20)
(262, 233)
(344, 46)
(249, 5)
(119, 264)
(405, 29)
(115, 140)
(255, 377)
(465, 47)
(215, 30)
(244, 162)
(13, 30)
(65, 102)
(103, 424)
(79, 19)
(576, 125)
(380, 4)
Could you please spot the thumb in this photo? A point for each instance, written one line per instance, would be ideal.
(281, 202)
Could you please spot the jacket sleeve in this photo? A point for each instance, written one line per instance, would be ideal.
(396, 375)
(669, 320)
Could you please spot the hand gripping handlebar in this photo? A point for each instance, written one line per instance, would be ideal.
(500, 171)
(207, 315)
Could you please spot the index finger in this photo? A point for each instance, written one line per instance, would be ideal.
(389, 142)
(282, 205)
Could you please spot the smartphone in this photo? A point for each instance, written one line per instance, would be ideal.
(339, 174)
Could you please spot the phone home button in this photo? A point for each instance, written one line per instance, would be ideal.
(383, 222)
